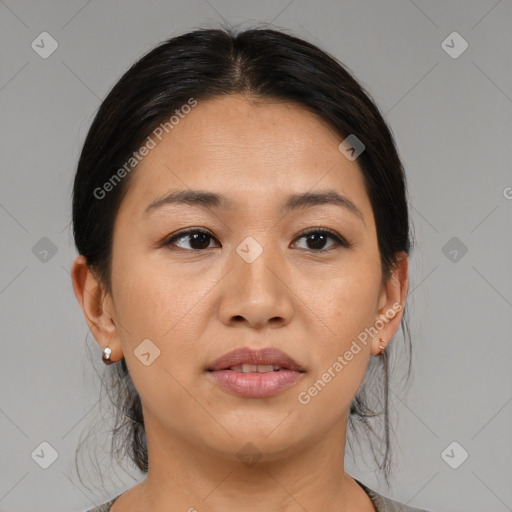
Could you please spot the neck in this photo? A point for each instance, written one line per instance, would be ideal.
(193, 478)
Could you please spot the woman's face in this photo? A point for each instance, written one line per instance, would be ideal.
(254, 280)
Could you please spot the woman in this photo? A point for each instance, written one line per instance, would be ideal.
(240, 215)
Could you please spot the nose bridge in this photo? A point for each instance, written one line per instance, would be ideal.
(252, 262)
(255, 291)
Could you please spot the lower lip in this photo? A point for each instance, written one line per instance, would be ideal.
(255, 385)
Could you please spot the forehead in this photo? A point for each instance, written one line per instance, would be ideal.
(250, 150)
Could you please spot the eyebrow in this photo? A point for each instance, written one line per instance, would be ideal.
(308, 199)
(206, 199)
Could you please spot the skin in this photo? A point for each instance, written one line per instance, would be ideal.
(198, 304)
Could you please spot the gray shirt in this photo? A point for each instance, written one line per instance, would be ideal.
(381, 503)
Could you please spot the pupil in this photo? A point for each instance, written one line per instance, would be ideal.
(317, 239)
(200, 240)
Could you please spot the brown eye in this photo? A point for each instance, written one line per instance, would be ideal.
(193, 239)
(317, 239)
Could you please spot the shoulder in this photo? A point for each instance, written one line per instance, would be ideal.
(383, 504)
(105, 507)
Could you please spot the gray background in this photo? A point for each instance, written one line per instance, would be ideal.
(452, 119)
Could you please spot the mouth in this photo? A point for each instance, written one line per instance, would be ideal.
(255, 373)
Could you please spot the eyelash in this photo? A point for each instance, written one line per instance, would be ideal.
(340, 241)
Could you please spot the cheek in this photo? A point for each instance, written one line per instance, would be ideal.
(166, 308)
(342, 350)
(345, 305)
(151, 299)
(344, 299)
(165, 305)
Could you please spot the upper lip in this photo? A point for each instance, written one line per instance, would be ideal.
(263, 356)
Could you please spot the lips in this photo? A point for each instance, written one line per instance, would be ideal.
(248, 373)
(245, 359)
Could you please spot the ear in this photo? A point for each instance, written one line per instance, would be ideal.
(391, 303)
(96, 307)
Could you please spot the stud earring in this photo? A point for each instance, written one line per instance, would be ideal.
(107, 352)
(382, 345)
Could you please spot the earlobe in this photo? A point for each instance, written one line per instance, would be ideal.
(92, 298)
(391, 305)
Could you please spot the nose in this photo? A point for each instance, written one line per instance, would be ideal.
(256, 294)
